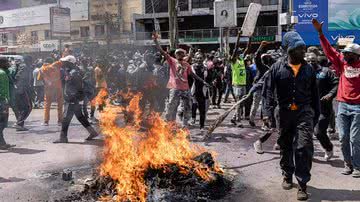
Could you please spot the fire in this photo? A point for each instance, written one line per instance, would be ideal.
(101, 97)
(129, 151)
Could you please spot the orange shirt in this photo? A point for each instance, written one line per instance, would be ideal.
(51, 75)
(296, 69)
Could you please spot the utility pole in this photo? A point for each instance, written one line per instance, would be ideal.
(172, 23)
(60, 41)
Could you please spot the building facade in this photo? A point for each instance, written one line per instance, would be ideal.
(196, 21)
(26, 27)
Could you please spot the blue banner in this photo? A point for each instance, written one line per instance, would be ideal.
(341, 19)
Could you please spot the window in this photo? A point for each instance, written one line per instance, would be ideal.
(34, 36)
(47, 34)
(4, 39)
(99, 30)
(160, 6)
(84, 31)
(202, 4)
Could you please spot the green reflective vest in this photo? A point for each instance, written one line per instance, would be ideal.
(238, 73)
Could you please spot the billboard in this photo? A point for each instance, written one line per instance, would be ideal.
(37, 15)
(60, 22)
(341, 19)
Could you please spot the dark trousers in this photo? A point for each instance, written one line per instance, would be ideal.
(69, 110)
(22, 107)
(199, 103)
(85, 107)
(216, 93)
(274, 124)
(322, 125)
(296, 143)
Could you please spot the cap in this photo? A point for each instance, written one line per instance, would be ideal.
(180, 50)
(69, 58)
(352, 48)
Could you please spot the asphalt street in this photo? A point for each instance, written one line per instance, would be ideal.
(31, 171)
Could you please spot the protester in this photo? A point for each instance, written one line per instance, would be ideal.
(161, 75)
(38, 87)
(88, 74)
(180, 71)
(199, 91)
(327, 83)
(239, 78)
(347, 67)
(294, 82)
(4, 101)
(51, 76)
(217, 82)
(73, 95)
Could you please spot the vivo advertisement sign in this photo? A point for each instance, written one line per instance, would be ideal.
(341, 19)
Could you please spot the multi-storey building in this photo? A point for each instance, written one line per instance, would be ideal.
(26, 23)
(196, 21)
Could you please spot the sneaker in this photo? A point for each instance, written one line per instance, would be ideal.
(240, 125)
(45, 124)
(193, 122)
(258, 147)
(302, 195)
(287, 184)
(356, 173)
(252, 123)
(328, 155)
(6, 146)
(21, 128)
(348, 170)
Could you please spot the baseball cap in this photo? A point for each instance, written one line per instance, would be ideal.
(352, 48)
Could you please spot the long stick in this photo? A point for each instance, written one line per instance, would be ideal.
(222, 117)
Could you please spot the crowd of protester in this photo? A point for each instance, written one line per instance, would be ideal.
(294, 89)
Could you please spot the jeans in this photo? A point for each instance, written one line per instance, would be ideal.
(296, 143)
(348, 120)
(39, 95)
(322, 125)
(69, 111)
(216, 93)
(174, 102)
(255, 104)
(229, 89)
(239, 91)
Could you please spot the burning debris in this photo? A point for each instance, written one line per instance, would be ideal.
(158, 164)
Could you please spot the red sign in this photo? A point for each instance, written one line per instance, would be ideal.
(3, 49)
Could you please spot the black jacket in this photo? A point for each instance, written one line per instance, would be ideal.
(261, 68)
(301, 90)
(327, 82)
(74, 89)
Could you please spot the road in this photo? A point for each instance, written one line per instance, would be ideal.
(32, 170)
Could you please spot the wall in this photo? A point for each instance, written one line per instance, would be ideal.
(129, 8)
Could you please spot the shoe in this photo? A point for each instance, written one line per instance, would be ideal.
(252, 123)
(6, 146)
(21, 128)
(219, 107)
(240, 125)
(348, 170)
(93, 133)
(193, 122)
(233, 121)
(63, 139)
(356, 173)
(45, 124)
(302, 195)
(258, 147)
(287, 184)
(276, 147)
(328, 155)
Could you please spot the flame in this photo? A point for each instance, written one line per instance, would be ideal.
(129, 152)
(101, 97)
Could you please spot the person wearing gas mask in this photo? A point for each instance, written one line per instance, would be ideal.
(328, 84)
(347, 67)
(73, 95)
(294, 82)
